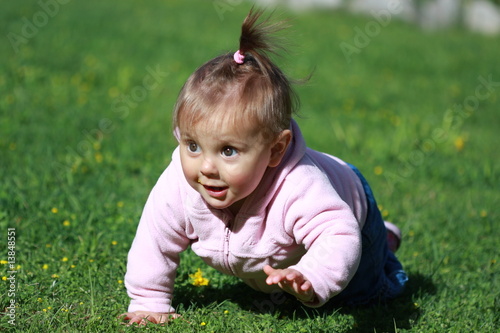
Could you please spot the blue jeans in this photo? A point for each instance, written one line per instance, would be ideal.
(380, 275)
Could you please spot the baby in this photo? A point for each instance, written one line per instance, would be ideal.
(253, 201)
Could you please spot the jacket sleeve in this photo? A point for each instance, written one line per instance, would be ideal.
(320, 220)
(154, 256)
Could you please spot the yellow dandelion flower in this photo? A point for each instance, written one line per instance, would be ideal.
(49, 308)
(39, 300)
(385, 213)
(66, 223)
(459, 143)
(119, 204)
(48, 245)
(91, 260)
(55, 276)
(4, 278)
(198, 280)
(18, 267)
(411, 233)
(45, 266)
(378, 170)
(120, 281)
(203, 323)
(81, 303)
(226, 311)
(114, 242)
(54, 210)
(98, 157)
(44, 310)
(3, 262)
(64, 259)
(483, 213)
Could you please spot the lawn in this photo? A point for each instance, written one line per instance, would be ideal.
(86, 93)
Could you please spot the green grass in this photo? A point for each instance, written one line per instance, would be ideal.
(77, 161)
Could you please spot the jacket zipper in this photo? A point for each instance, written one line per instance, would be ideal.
(226, 250)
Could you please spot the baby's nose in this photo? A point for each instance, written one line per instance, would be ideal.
(208, 168)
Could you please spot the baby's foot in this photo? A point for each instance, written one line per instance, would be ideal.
(393, 236)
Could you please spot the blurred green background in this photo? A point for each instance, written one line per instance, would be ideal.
(86, 93)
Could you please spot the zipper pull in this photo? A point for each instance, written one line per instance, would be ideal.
(226, 241)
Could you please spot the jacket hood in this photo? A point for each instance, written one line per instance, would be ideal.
(257, 202)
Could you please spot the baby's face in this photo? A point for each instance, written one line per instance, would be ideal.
(224, 164)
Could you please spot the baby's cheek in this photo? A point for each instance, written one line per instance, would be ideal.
(190, 171)
(245, 183)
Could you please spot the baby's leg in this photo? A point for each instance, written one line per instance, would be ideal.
(380, 275)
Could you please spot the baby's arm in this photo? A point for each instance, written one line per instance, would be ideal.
(143, 317)
(291, 281)
(154, 255)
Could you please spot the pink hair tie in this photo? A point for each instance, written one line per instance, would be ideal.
(238, 57)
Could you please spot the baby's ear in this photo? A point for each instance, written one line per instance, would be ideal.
(279, 147)
(177, 134)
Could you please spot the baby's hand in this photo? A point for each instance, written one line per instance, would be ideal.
(143, 317)
(291, 281)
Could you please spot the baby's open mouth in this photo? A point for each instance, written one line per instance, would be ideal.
(214, 188)
(218, 192)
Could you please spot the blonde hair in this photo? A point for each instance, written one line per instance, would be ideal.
(254, 91)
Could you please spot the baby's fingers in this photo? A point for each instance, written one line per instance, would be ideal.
(291, 285)
(306, 286)
(127, 316)
(299, 287)
(269, 270)
(132, 318)
(142, 318)
(274, 275)
(295, 277)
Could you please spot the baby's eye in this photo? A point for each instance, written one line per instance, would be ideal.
(229, 151)
(193, 147)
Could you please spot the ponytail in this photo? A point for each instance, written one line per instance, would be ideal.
(241, 86)
(258, 40)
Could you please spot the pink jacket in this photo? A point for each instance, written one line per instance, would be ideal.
(306, 214)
